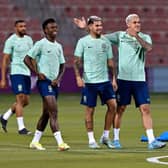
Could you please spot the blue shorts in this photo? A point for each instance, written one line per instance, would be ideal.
(90, 92)
(20, 84)
(46, 89)
(137, 89)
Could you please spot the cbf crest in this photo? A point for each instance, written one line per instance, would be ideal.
(104, 47)
(50, 88)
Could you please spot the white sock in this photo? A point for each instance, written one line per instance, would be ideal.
(37, 136)
(20, 123)
(150, 135)
(116, 133)
(106, 133)
(91, 137)
(7, 114)
(58, 137)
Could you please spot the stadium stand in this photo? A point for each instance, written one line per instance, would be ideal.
(152, 12)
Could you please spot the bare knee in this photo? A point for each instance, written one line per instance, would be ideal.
(22, 99)
(26, 102)
(112, 106)
(89, 113)
(120, 110)
(145, 110)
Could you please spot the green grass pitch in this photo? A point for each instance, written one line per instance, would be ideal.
(14, 151)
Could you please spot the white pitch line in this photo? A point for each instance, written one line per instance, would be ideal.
(156, 160)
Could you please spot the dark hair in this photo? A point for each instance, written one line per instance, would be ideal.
(47, 21)
(92, 19)
(18, 21)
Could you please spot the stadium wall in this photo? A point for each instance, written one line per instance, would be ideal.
(156, 78)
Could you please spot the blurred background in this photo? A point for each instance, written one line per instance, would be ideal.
(154, 18)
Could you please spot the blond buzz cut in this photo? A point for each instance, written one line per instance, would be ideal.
(129, 17)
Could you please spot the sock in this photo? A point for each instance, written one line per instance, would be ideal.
(20, 123)
(116, 133)
(91, 137)
(150, 135)
(7, 114)
(106, 133)
(58, 137)
(37, 136)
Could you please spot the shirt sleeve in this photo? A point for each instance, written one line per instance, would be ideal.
(148, 39)
(35, 51)
(110, 51)
(113, 37)
(31, 42)
(79, 49)
(61, 58)
(8, 47)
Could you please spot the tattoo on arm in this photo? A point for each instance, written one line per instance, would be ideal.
(144, 44)
(111, 68)
(77, 64)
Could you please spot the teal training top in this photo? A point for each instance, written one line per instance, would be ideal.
(49, 56)
(94, 53)
(18, 47)
(131, 55)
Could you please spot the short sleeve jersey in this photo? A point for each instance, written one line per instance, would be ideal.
(18, 47)
(94, 53)
(131, 55)
(49, 56)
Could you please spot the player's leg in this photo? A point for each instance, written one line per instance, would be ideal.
(147, 123)
(123, 99)
(142, 100)
(4, 117)
(21, 88)
(89, 98)
(20, 103)
(89, 124)
(109, 117)
(50, 101)
(22, 100)
(118, 119)
(51, 104)
(107, 96)
(41, 125)
(49, 94)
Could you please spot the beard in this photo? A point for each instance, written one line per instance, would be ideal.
(22, 33)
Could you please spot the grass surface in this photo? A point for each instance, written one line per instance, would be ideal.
(14, 151)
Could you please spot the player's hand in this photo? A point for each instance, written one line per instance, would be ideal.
(80, 82)
(41, 76)
(81, 23)
(3, 83)
(55, 82)
(114, 84)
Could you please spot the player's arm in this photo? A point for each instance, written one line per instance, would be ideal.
(112, 70)
(77, 65)
(81, 23)
(31, 64)
(5, 63)
(113, 37)
(60, 74)
(144, 44)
